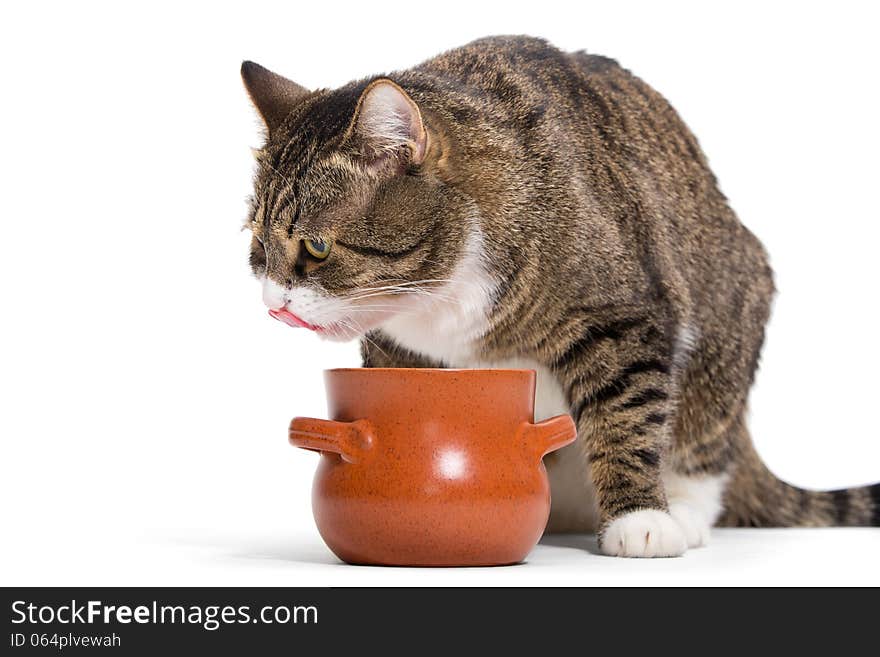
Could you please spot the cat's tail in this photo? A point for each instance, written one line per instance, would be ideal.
(755, 497)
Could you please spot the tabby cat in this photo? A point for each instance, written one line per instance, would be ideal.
(506, 204)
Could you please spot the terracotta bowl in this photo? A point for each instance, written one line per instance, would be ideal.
(431, 467)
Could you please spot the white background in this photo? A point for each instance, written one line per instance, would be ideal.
(146, 394)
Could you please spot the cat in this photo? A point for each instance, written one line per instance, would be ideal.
(507, 204)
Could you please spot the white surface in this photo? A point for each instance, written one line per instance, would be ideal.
(146, 394)
(276, 556)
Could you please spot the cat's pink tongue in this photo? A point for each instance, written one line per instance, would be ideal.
(291, 320)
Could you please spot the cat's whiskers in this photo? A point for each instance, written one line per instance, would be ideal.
(411, 291)
(371, 341)
(426, 289)
(418, 283)
(354, 326)
(399, 289)
(405, 283)
(342, 315)
(343, 312)
(415, 287)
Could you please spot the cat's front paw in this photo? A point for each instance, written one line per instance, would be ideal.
(644, 533)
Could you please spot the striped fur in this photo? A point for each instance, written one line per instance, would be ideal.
(615, 262)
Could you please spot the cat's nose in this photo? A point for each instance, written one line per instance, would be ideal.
(274, 295)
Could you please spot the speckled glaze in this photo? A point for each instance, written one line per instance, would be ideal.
(431, 467)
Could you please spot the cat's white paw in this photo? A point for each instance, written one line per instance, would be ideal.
(644, 533)
(692, 522)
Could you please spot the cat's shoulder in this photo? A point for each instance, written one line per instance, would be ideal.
(505, 53)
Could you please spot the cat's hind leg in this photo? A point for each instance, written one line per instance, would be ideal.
(695, 503)
(695, 477)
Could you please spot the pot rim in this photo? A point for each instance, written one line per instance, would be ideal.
(433, 370)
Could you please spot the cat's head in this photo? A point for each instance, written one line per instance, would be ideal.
(353, 219)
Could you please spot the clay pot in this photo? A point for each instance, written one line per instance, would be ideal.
(431, 467)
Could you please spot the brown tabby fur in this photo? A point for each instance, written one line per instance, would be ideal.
(623, 268)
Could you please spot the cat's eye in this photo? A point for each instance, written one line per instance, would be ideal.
(319, 249)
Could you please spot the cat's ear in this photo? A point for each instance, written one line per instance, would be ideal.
(273, 95)
(388, 122)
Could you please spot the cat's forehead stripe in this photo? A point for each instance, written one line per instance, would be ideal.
(310, 127)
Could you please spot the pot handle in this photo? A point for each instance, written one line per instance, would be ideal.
(348, 439)
(549, 435)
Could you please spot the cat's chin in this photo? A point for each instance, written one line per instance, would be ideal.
(346, 331)
(339, 334)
